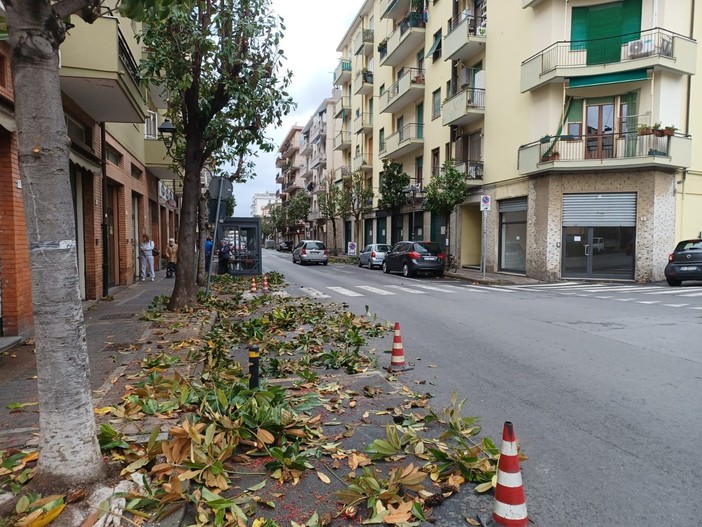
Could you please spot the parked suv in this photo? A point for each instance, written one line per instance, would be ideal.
(685, 262)
(410, 258)
(373, 255)
(310, 251)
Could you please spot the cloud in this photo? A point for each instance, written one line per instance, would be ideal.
(313, 31)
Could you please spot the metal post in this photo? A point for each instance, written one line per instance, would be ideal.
(253, 366)
(214, 241)
(483, 244)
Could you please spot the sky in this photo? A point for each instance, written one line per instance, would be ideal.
(314, 29)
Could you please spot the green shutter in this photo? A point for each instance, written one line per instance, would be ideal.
(631, 20)
(578, 28)
(604, 29)
(575, 112)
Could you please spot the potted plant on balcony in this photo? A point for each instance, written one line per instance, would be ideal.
(669, 130)
(645, 129)
(553, 155)
(657, 130)
(367, 75)
(383, 47)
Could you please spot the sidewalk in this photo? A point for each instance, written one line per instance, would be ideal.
(114, 333)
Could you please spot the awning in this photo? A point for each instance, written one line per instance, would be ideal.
(84, 162)
(7, 120)
(435, 45)
(608, 78)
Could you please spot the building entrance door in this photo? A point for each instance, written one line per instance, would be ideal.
(598, 252)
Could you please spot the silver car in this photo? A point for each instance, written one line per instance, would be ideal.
(310, 251)
(373, 255)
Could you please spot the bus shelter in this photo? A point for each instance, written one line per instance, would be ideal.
(244, 238)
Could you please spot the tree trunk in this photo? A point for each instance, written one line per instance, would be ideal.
(69, 451)
(185, 289)
(447, 220)
(333, 222)
(202, 235)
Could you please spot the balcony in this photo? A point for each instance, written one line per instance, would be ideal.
(362, 161)
(342, 107)
(342, 141)
(363, 43)
(529, 3)
(466, 37)
(293, 184)
(280, 177)
(100, 74)
(363, 123)
(289, 148)
(393, 9)
(404, 41)
(406, 140)
(407, 90)
(363, 83)
(342, 73)
(305, 146)
(319, 158)
(473, 171)
(466, 107)
(157, 160)
(306, 171)
(320, 188)
(615, 59)
(605, 152)
(340, 173)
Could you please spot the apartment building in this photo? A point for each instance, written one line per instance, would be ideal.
(290, 163)
(120, 175)
(260, 201)
(557, 111)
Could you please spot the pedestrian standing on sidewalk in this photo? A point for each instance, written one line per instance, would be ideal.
(146, 257)
(224, 252)
(208, 253)
(172, 256)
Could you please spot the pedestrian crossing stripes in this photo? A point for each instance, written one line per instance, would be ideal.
(392, 289)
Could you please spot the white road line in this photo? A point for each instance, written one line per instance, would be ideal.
(691, 294)
(676, 305)
(434, 288)
(603, 297)
(548, 286)
(647, 301)
(696, 308)
(314, 293)
(463, 288)
(344, 291)
(624, 299)
(500, 289)
(375, 290)
(665, 292)
(406, 289)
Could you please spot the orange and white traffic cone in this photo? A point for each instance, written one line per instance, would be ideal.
(253, 284)
(264, 287)
(397, 359)
(509, 509)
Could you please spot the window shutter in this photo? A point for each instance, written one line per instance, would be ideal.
(578, 28)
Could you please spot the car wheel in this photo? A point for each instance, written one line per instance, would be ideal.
(385, 268)
(440, 274)
(406, 271)
(673, 282)
(325, 263)
(360, 263)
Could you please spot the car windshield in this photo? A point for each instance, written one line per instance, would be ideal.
(427, 247)
(383, 248)
(315, 245)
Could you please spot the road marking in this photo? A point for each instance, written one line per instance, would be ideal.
(463, 288)
(603, 297)
(696, 308)
(407, 289)
(648, 301)
(624, 299)
(691, 294)
(434, 288)
(676, 305)
(344, 291)
(665, 292)
(314, 293)
(375, 290)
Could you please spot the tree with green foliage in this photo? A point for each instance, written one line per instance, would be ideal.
(298, 209)
(330, 208)
(356, 201)
(220, 63)
(393, 182)
(446, 190)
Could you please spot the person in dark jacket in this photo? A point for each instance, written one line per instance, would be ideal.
(223, 253)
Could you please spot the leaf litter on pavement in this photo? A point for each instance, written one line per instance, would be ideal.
(190, 430)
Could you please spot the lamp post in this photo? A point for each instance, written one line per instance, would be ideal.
(412, 190)
(167, 130)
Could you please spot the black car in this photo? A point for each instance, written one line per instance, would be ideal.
(685, 262)
(410, 258)
(284, 246)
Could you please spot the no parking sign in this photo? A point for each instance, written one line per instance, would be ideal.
(484, 203)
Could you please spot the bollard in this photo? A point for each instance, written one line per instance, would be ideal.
(253, 366)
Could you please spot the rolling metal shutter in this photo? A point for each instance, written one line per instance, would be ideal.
(599, 210)
(513, 205)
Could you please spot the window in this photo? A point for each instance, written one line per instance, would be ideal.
(435, 161)
(436, 104)
(113, 156)
(382, 89)
(435, 49)
(136, 172)
(419, 167)
(151, 128)
(78, 132)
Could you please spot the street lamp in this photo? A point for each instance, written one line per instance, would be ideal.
(167, 130)
(412, 190)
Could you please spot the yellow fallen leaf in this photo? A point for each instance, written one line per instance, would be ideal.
(324, 478)
(471, 521)
(33, 456)
(102, 411)
(41, 517)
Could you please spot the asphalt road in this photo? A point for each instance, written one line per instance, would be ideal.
(602, 381)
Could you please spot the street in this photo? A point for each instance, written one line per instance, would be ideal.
(601, 381)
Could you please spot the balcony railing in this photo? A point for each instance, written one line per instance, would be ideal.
(363, 83)
(363, 122)
(363, 161)
(409, 88)
(472, 169)
(605, 151)
(342, 141)
(465, 38)
(342, 73)
(407, 139)
(464, 107)
(342, 107)
(404, 40)
(341, 172)
(634, 51)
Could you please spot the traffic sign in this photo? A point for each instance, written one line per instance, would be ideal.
(225, 192)
(484, 202)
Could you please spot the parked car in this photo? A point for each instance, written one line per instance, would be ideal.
(310, 251)
(373, 255)
(410, 258)
(685, 262)
(284, 246)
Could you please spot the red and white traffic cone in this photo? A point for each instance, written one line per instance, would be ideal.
(509, 509)
(253, 284)
(264, 287)
(397, 359)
